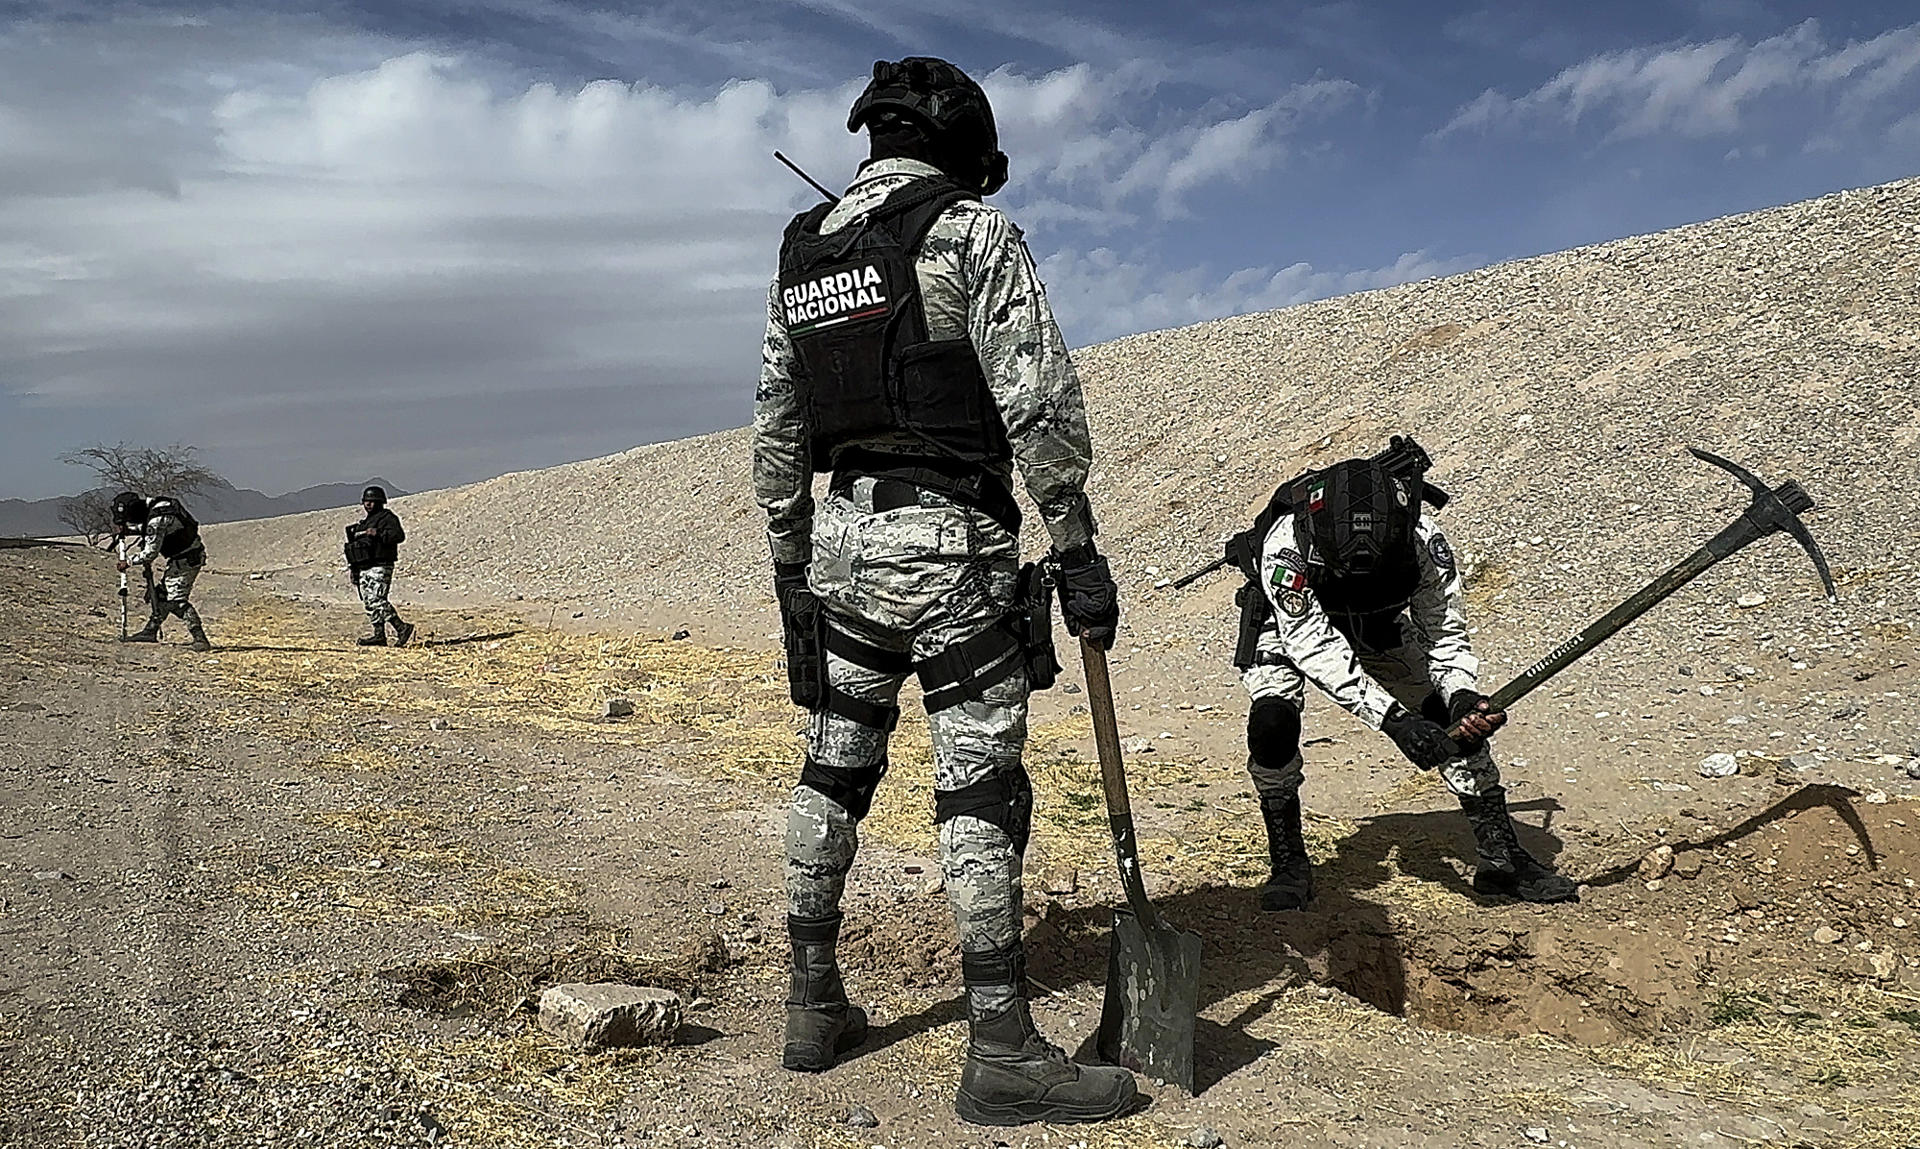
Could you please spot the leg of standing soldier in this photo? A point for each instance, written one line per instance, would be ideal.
(1505, 866)
(1274, 761)
(983, 802)
(178, 586)
(372, 584)
(846, 758)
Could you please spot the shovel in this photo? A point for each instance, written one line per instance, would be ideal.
(1153, 969)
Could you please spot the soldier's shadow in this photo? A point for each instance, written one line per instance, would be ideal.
(1344, 940)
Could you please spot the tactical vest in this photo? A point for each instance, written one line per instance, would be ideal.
(866, 371)
(186, 537)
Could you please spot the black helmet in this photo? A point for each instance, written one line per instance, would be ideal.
(129, 508)
(949, 105)
(374, 495)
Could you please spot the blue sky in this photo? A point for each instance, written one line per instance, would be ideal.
(439, 240)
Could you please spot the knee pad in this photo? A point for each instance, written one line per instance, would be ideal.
(852, 789)
(1004, 800)
(1273, 732)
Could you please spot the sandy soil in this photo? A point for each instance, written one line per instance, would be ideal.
(292, 892)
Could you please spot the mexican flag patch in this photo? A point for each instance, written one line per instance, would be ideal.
(1317, 497)
(1288, 579)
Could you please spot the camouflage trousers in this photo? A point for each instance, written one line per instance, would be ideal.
(374, 583)
(1401, 670)
(909, 582)
(171, 588)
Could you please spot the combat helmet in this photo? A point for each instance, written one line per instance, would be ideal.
(129, 507)
(374, 495)
(953, 110)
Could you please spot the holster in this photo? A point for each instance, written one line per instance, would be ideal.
(1254, 613)
(1034, 626)
(801, 620)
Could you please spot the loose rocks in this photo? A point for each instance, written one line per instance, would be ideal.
(1719, 766)
(608, 1015)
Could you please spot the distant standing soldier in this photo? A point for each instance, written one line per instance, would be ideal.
(911, 352)
(165, 530)
(373, 546)
(1354, 589)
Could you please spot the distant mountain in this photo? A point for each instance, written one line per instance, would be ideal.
(225, 504)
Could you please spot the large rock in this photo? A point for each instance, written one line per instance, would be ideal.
(608, 1015)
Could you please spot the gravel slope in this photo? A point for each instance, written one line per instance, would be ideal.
(1556, 394)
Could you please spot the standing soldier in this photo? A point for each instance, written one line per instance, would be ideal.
(1353, 588)
(165, 530)
(373, 546)
(911, 352)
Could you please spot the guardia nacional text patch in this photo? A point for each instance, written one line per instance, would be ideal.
(834, 298)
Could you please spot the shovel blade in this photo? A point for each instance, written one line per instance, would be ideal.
(1153, 999)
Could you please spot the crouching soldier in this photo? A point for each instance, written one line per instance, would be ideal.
(373, 546)
(1354, 589)
(164, 530)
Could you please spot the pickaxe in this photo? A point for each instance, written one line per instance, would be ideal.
(1776, 509)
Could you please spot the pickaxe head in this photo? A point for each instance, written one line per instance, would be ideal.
(1776, 509)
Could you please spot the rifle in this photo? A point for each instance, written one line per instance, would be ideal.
(1403, 458)
(814, 183)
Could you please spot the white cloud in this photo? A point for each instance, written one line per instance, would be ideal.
(1714, 88)
(287, 245)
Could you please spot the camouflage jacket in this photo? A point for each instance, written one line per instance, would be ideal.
(977, 280)
(1308, 639)
(152, 533)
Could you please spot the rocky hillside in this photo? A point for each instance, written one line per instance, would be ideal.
(1556, 394)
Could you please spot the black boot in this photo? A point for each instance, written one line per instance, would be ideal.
(377, 638)
(821, 1024)
(148, 633)
(1505, 866)
(1013, 1075)
(1290, 885)
(402, 631)
(196, 632)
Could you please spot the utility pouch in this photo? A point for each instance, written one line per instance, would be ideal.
(359, 550)
(1036, 626)
(1254, 613)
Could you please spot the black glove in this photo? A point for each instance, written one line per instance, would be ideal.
(1424, 743)
(1089, 600)
(799, 633)
(1464, 703)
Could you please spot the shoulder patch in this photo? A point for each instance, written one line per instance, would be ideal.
(1288, 572)
(1441, 552)
(1292, 603)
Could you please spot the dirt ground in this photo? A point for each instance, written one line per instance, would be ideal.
(292, 892)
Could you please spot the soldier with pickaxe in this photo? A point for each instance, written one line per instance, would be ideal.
(1352, 588)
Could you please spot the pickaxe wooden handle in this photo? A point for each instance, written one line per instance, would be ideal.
(1773, 509)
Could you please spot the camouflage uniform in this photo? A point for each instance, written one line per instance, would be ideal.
(1300, 643)
(374, 582)
(911, 581)
(175, 584)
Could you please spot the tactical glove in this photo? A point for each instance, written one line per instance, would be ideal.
(1089, 600)
(1424, 743)
(1463, 704)
(800, 633)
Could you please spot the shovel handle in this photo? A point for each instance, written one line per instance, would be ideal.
(1113, 779)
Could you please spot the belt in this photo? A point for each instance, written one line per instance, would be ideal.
(899, 485)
